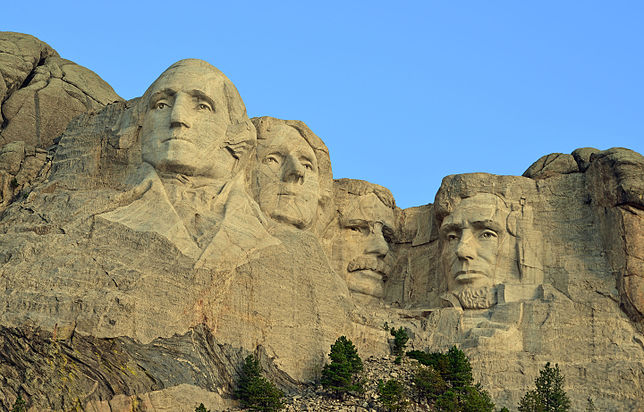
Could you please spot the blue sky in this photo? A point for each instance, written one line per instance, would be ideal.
(402, 93)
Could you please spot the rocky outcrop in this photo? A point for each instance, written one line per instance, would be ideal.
(67, 370)
(40, 93)
(147, 246)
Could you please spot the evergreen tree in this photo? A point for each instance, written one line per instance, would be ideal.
(400, 340)
(548, 395)
(459, 372)
(466, 399)
(436, 360)
(254, 391)
(428, 383)
(201, 408)
(340, 376)
(476, 399)
(19, 405)
(392, 395)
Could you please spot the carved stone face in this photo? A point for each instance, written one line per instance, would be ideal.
(287, 176)
(472, 237)
(361, 248)
(185, 123)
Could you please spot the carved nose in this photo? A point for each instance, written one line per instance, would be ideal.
(179, 115)
(465, 249)
(293, 171)
(376, 244)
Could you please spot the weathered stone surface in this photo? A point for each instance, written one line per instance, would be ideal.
(582, 157)
(72, 370)
(158, 241)
(292, 178)
(361, 237)
(575, 249)
(552, 164)
(41, 92)
(616, 189)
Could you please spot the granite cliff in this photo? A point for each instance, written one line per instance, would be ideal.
(147, 246)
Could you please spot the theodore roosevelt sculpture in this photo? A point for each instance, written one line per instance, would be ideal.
(360, 245)
(196, 142)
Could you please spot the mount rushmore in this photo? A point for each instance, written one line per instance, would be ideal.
(147, 246)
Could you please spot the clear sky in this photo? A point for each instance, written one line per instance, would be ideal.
(403, 93)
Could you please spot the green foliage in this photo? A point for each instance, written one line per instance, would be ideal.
(590, 405)
(428, 383)
(468, 399)
(400, 340)
(504, 409)
(477, 400)
(436, 360)
(530, 403)
(19, 405)
(453, 366)
(201, 408)
(459, 370)
(448, 401)
(13, 183)
(254, 391)
(340, 376)
(392, 395)
(548, 395)
(446, 380)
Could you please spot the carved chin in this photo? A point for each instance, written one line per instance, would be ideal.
(477, 298)
(366, 282)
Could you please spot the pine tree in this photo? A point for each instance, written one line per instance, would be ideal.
(459, 369)
(548, 395)
(20, 405)
(254, 391)
(428, 383)
(400, 340)
(340, 376)
(201, 408)
(392, 395)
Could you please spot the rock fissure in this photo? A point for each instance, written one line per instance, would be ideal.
(173, 269)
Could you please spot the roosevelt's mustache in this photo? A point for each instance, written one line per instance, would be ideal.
(366, 262)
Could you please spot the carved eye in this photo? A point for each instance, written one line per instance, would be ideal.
(452, 237)
(271, 159)
(308, 166)
(161, 105)
(488, 234)
(359, 229)
(204, 106)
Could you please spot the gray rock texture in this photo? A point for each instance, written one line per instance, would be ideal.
(147, 246)
(39, 94)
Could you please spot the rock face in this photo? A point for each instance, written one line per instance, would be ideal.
(40, 93)
(148, 246)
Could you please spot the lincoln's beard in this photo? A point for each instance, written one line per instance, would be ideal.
(479, 298)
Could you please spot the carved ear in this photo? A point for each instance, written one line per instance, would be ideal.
(511, 223)
(240, 138)
(125, 132)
